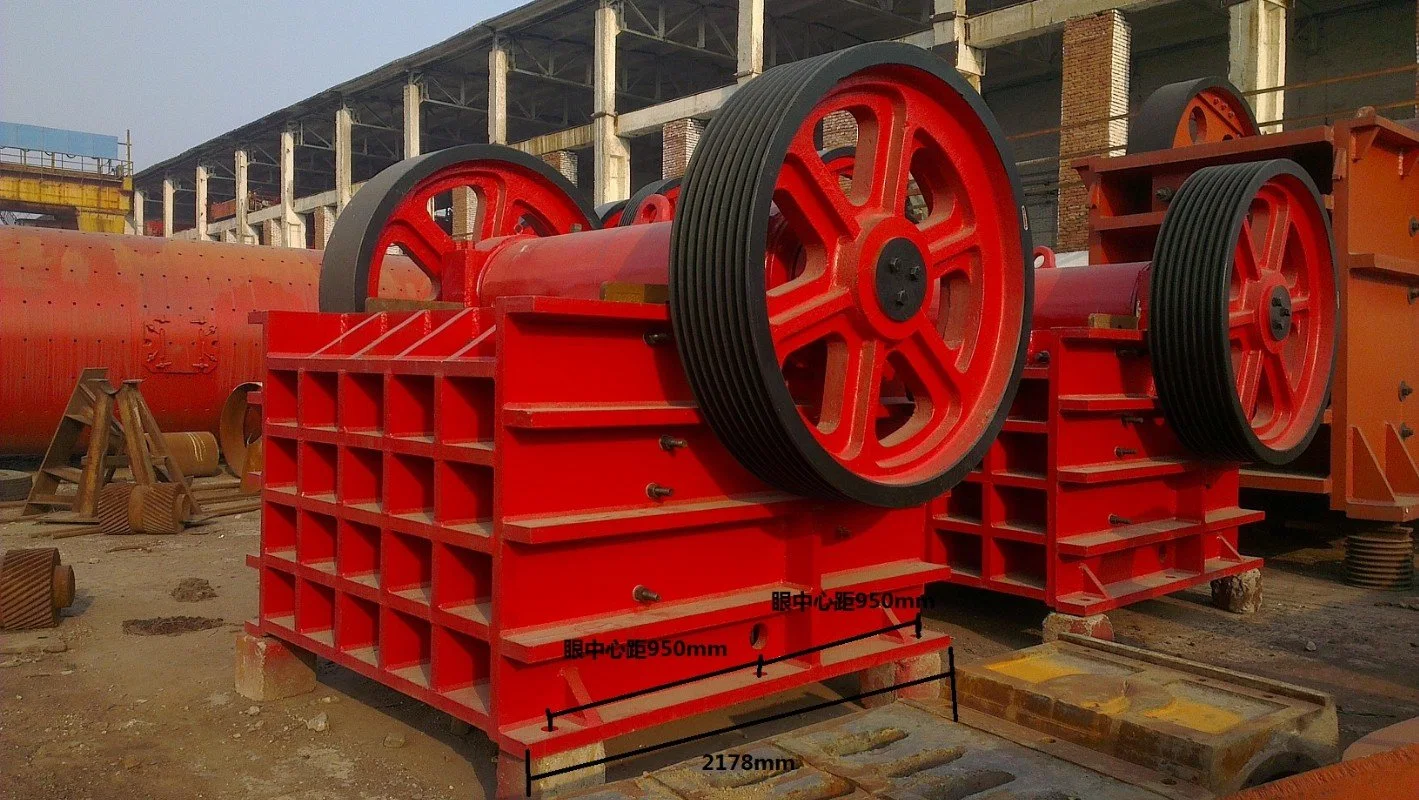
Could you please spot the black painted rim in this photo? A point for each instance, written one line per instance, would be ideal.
(1188, 312)
(633, 204)
(1157, 120)
(345, 266)
(717, 278)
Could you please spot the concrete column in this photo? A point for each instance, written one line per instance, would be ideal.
(678, 139)
(200, 190)
(1092, 114)
(612, 154)
(497, 94)
(322, 219)
(344, 123)
(1256, 56)
(413, 99)
(138, 200)
(243, 199)
(563, 161)
(970, 61)
(271, 233)
(291, 233)
(839, 130)
(169, 189)
(751, 39)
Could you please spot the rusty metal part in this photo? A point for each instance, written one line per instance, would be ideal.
(113, 509)
(1380, 559)
(239, 429)
(34, 585)
(176, 313)
(158, 508)
(195, 451)
(14, 484)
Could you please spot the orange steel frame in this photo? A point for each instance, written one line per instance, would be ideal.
(1364, 458)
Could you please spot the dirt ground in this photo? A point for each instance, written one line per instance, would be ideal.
(89, 711)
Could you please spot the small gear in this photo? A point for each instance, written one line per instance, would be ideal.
(113, 508)
(33, 587)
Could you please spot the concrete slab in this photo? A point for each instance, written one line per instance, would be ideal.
(1213, 727)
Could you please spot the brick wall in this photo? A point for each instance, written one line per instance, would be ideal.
(677, 143)
(1094, 89)
(563, 161)
(839, 130)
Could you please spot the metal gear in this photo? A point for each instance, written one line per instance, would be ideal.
(1191, 112)
(1243, 312)
(160, 508)
(518, 193)
(955, 339)
(34, 586)
(113, 509)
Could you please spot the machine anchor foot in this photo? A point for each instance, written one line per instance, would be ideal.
(895, 672)
(1239, 594)
(514, 769)
(1095, 626)
(270, 669)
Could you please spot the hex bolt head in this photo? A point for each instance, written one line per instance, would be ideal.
(657, 492)
(656, 338)
(669, 443)
(915, 273)
(1164, 194)
(894, 266)
(901, 298)
(644, 594)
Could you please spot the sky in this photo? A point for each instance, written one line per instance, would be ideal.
(178, 72)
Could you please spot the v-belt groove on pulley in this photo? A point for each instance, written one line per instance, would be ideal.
(898, 391)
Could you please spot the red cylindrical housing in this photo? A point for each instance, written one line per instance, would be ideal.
(1065, 297)
(174, 313)
(576, 265)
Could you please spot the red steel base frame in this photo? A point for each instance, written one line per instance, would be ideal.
(450, 495)
(1086, 500)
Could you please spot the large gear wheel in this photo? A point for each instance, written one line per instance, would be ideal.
(514, 193)
(1191, 112)
(34, 586)
(849, 351)
(1243, 312)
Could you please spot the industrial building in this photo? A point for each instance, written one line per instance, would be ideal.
(615, 94)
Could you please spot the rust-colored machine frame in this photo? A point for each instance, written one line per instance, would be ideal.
(1364, 459)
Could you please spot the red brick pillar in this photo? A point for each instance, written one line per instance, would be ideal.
(1093, 101)
(322, 221)
(677, 143)
(563, 161)
(839, 130)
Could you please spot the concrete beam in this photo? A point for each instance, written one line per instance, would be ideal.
(750, 60)
(611, 171)
(652, 118)
(497, 94)
(413, 101)
(1024, 20)
(1256, 56)
(200, 204)
(344, 123)
(138, 200)
(244, 234)
(569, 139)
(169, 189)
